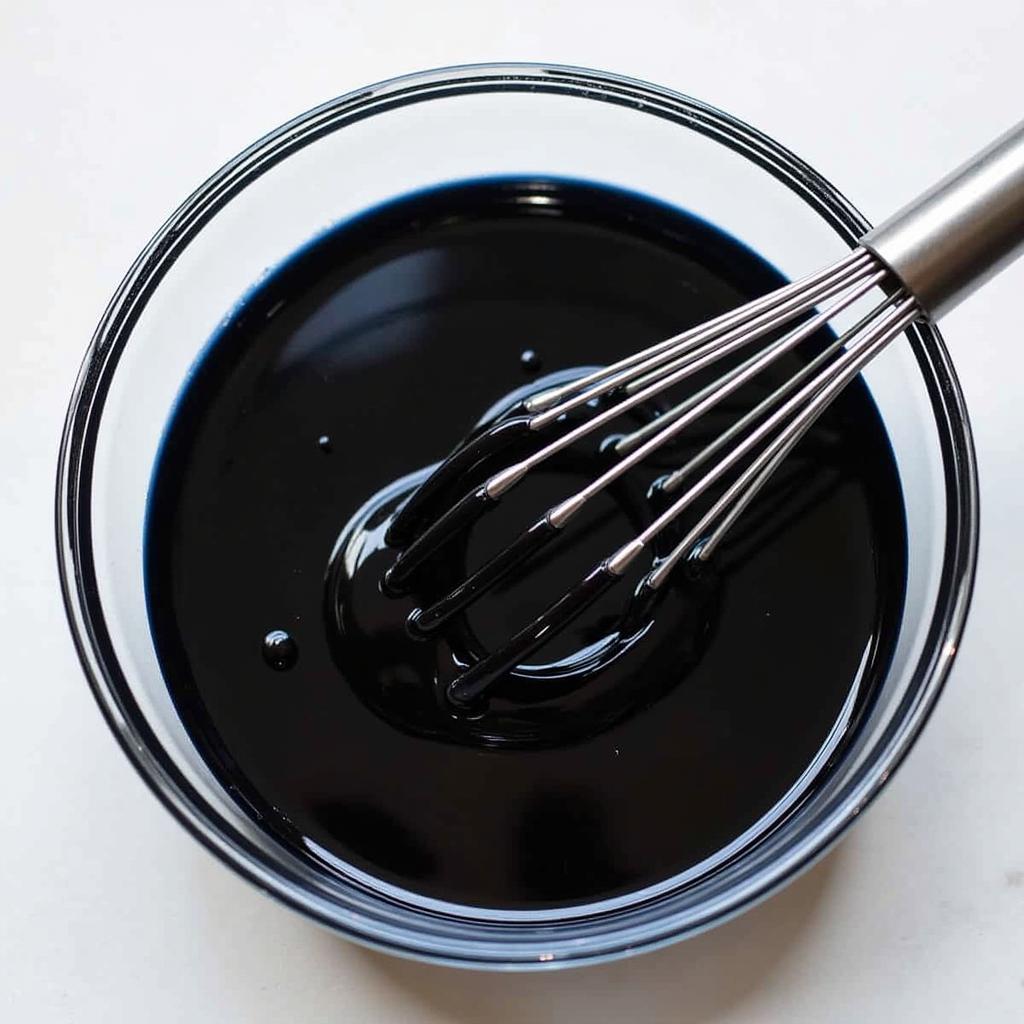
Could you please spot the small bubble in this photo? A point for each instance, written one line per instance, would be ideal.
(323, 442)
(529, 360)
(280, 651)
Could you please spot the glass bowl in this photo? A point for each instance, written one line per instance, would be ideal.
(346, 156)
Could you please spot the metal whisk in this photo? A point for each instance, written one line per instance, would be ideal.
(925, 259)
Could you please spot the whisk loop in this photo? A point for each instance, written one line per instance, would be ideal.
(762, 437)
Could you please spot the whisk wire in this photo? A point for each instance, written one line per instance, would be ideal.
(698, 360)
(740, 374)
(811, 400)
(672, 482)
(712, 396)
(554, 396)
(760, 319)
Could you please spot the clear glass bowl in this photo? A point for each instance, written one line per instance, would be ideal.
(348, 155)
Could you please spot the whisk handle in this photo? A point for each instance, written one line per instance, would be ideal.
(962, 231)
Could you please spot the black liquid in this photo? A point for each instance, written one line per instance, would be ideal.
(363, 359)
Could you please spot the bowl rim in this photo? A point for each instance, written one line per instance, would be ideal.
(74, 475)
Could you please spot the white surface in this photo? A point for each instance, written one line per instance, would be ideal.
(113, 111)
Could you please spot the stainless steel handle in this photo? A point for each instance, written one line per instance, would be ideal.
(962, 231)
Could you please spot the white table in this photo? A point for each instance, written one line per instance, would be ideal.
(113, 111)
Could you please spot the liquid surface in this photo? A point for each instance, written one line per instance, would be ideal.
(362, 360)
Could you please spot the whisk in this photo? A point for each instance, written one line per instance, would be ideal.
(925, 260)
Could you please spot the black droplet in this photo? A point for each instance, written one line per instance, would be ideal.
(324, 443)
(529, 360)
(280, 651)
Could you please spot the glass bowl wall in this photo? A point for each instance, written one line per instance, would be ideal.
(350, 154)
